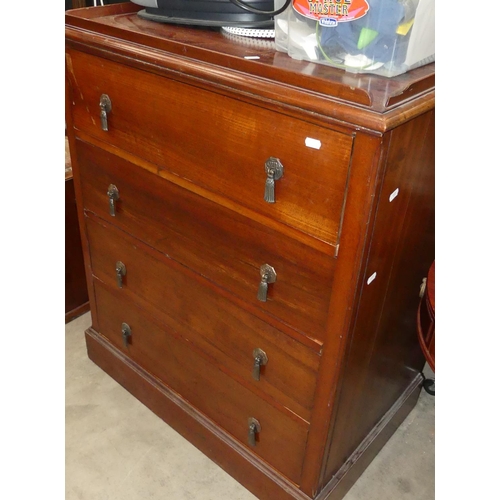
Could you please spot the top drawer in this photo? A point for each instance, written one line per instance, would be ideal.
(217, 142)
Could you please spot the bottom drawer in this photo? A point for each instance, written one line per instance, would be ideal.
(281, 440)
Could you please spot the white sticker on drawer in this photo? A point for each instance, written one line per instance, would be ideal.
(313, 143)
(393, 194)
(371, 278)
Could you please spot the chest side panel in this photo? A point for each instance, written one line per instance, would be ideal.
(384, 358)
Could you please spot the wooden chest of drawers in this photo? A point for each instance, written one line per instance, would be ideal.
(255, 233)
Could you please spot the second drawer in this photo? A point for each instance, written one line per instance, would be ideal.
(226, 247)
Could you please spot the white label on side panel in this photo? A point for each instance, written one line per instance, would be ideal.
(313, 143)
(393, 194)
(371, 278)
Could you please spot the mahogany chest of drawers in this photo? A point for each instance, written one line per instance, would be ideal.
(255, 232)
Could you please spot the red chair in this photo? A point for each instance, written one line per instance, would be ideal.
(425, 325)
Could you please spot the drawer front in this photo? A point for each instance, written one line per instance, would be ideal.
(281, 440)
(217, 243)
(217, 142)
(214, 324)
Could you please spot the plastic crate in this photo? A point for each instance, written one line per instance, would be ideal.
(385, 37)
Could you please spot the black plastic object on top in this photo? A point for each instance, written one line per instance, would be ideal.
(216, 13)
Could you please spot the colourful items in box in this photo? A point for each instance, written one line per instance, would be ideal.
(375, 36)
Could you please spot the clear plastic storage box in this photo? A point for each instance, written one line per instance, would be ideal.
(385, 37)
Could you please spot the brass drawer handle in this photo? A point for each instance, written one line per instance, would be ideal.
(113, 195)
(105, 105)
(267, 275)
(259, 359)
(253, 429)
(126, 334)
(274, 171)
(121, 271)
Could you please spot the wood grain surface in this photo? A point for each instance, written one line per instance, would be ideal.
(351, 236)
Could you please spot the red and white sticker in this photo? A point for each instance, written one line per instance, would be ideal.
(331, 12)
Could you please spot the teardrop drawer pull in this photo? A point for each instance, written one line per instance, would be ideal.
(253, 429)
(105, 105)
(126, 334)
(113, 195)
(267, 275)
(259, 359)
(274, 171)
(121, 271)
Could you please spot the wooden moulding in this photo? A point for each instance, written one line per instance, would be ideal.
(357, 463)
(250, 471)
(202, 58)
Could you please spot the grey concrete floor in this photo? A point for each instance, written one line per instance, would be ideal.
(117, 449)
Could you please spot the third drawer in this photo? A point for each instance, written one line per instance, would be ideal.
(187, 304)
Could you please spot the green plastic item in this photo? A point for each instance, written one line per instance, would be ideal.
(366, 37)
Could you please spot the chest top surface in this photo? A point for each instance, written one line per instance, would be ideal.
(234, 60)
